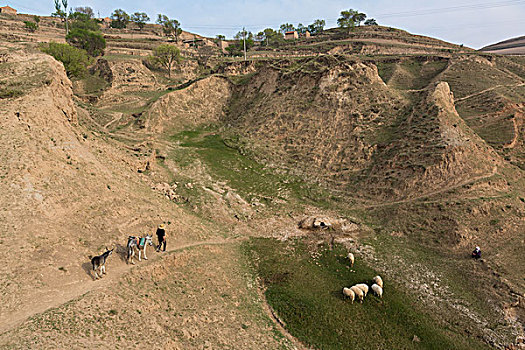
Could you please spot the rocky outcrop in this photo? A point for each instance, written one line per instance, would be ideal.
(131, 74)
(322, 113)
(435, 151)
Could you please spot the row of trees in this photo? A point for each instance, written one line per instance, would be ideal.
(350, 18)
(314, 28)
(271, 37)
(119, 18)
(170, 27)
(85, 40)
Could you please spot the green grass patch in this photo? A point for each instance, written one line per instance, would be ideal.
(10, 93)
(304, 288)
(94, 85)
(242, 79)
(229, 160)
(386, 70)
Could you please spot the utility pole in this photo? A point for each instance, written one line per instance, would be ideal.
(244, 39)
(67, 27)
(66, 15)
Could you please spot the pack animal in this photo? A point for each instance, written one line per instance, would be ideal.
(99, 262)
(140, 244)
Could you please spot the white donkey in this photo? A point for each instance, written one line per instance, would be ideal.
(138, 243)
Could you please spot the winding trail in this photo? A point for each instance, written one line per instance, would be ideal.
(432, 193)
(116, 268)
(114, 120)
(486, 90)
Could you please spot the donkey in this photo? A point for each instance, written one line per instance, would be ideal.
(138, 243)
(99, 262)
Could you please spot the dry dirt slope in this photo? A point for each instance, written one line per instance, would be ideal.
(69, 192)
(83, 184)
(341, 117)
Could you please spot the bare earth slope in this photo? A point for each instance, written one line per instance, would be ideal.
(64, 193)
(415, 159)
(69, 192)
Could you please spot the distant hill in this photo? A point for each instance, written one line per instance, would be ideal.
(514, 46)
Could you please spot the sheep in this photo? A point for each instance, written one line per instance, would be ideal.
(347, 292)
(377, 290)
(363, 287)
(358, 293)
(351, 258)
(378, 280)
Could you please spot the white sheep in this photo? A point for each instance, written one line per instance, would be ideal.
(378, 280)
(351, 258)
(377, 290)
(358, 293)
(347, 292)
(363, 287)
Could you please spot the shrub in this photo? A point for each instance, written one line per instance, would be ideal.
(75, 60)
(93, 42)
(83, 21)
(9, 93)
(31, 26)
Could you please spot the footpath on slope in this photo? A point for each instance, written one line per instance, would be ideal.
(433, 193)
(116, 267)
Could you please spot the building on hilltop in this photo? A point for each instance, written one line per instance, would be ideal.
(291, 35)
(105, 22)
(7, 10)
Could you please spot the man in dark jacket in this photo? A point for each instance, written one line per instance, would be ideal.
(476, 254)
(161, 236)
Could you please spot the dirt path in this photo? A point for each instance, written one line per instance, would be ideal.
(432, 193)
(486, 90)
(114, 120)
(116, 267)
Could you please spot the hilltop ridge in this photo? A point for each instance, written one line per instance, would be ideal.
(514, 46)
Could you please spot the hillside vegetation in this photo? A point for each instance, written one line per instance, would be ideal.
(410, 151)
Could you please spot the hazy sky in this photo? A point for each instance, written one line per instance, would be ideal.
(469, 22)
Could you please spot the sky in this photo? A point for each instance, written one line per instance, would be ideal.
(469, 22)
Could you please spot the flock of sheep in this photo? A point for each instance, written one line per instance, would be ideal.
(360, 290)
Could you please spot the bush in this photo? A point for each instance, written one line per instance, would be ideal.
(31, 26)
(93, 42)
(75, 60)
(8, 93)
(83, 21)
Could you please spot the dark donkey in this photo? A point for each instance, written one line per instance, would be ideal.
(99, 262)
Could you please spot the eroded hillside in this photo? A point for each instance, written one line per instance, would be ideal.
(411, 161)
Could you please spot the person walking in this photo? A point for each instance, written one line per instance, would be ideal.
(161, 236)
